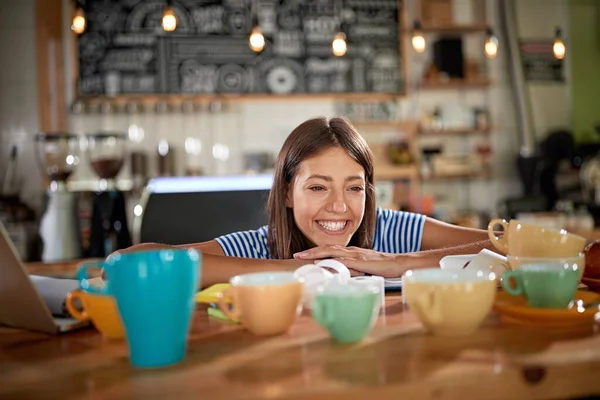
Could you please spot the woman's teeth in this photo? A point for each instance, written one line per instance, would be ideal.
(333, 226)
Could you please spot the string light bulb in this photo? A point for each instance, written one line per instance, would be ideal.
(559, 49)
(339, 45)
(418, 40)
(169, 19)
(491, 45)
(79, 23)
(256, 40)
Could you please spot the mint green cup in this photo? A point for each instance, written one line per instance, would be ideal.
(544, 285)
(348, 311)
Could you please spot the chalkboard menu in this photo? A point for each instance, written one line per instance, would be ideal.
(539, 63)
(124, 50)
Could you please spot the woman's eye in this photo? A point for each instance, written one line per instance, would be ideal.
(357, 189)
(316, 188)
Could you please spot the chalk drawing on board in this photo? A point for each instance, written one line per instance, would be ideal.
(209, 19)
(320, 28)
(197, 78)
(232, 79)
(92, 46)
(238, 21)
(138, 84)
(267, 17)
(288, 16)
(147, 16)
(384, 73)
(128, 59)
(317, 83)
(129, 3)
(359, 76)
(107, 18)
(289, 43)
(283, 76)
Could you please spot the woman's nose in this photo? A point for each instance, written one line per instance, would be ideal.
(337, 204)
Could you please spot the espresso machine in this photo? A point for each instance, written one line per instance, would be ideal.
(109, 229)
(57, 155)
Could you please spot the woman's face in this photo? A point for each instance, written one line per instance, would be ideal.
(327, 196)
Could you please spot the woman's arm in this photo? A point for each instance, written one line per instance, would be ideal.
(440, 235)
(218, 268)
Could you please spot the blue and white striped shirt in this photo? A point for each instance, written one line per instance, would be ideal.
(395, 232)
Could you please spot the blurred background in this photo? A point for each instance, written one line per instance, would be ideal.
(152, 120)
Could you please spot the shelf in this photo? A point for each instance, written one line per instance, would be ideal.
(455, 177)
(395, 172)
(177, 98)
(456, 84)
(376, 124)
(462, 131)
(453, 28)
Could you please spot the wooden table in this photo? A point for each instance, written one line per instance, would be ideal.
(397, 360)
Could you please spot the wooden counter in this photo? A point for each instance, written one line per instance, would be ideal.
(397, 360)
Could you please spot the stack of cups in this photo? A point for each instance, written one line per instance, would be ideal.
(544, 265)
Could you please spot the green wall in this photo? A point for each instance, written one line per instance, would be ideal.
(584, 47)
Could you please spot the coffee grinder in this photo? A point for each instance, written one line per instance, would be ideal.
(109, 229)
(57, 155)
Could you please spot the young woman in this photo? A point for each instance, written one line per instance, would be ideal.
(322, 205)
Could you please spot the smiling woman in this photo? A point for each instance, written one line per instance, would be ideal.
(322, 205)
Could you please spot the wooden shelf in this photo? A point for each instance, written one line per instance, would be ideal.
(387, 172)
(462, 131)
(456, 84)
(456, 29)
(178, 98)
(455, 177)
(376, 124)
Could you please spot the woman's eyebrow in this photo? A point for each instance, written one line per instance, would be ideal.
(330, 179)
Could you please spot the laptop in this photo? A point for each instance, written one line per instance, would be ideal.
(21, 304)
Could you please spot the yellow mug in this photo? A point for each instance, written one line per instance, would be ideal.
(527, 240)
(266, 303)
(100, 309)
(447, 302)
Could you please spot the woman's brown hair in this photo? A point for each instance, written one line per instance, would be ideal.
(307, 140)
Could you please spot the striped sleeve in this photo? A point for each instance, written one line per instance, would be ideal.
(398, 231)
(246, 244)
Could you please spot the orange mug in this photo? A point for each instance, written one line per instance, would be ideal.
(100, 309)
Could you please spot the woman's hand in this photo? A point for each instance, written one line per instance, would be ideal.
(360, 261)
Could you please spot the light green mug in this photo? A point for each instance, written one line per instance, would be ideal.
(544, 285)
(347, 310)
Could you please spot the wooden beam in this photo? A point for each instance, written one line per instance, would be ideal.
(50, 65)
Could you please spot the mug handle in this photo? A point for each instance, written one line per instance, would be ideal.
(234, 312)
(340, 268)
(499, 263)
(321, 314)
(75, 313)
(82, 277)
(499, 242)
(518, 289)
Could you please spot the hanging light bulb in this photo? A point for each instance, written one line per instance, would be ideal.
(256, 40)
(169, 19)
(79, 22)
(491, 45)
(418, 40)
(559, 48)
(339, 45)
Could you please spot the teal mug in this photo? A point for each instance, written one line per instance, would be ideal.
(544, 285)
(154, 291)
(347, 310)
